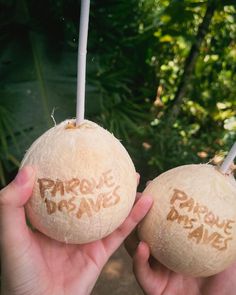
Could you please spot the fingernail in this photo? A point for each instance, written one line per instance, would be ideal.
(141, 245)
(23, 176)
(148, 199)
(148, 182)
(138, 176)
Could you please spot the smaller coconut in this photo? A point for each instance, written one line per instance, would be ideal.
(191, 227)
(85, 182)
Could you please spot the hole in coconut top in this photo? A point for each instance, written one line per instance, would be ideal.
(72, 125)
(231, 170)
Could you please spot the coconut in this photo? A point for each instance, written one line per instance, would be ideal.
(191, 226)
(85, 182)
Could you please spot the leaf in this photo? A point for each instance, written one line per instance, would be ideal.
(166, 38)
(36, 77)
(2, 175)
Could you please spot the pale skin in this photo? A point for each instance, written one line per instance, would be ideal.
(155, 279)
(33, 264)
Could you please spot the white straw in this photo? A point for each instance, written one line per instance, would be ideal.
(82, 51)
(229, 159)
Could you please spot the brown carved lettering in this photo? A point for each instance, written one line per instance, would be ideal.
(111, 199)
(189, 225)
(199, 209)
(63, 204)
(44, 184)
(108, 178)
(107, 201)
(187, 204)
(207, 238)
(173, 214)
(218, 223)
(72, 206)
(58, 187)
(218, 240)
(116, 195)
(197, 234)
(209, 218)
(84, 208)
(100, 183)
(74, 188)
(51, 206)
(200, 233)
(71, 186)
(96, 205)
(228, 226)
(86, 187)
(225, 244)
(178, 195)
(183, 219)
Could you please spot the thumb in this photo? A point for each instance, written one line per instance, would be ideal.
(140, 261)
(12, 200)
(141, 267)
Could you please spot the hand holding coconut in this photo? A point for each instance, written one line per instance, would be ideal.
(82, 192)
(156, 279)
(190, 231)
(34, 264)
(191, 227)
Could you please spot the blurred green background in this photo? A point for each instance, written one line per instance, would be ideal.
(160, 76)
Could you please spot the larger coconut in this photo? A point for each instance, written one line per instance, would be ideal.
(191, 227)
(85, 182)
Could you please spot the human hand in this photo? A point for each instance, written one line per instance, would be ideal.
(35, 264)
(155, 279)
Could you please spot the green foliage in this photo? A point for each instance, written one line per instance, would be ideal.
(136, 56)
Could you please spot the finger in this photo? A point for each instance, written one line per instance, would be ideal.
(148, 182)
(12, 199)
(138, 178)
(16, 193)
(141, 267)
(140, 209)
(138, 196)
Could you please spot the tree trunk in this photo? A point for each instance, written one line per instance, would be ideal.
(190, 62)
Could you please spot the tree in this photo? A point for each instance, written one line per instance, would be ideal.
(149, 63)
